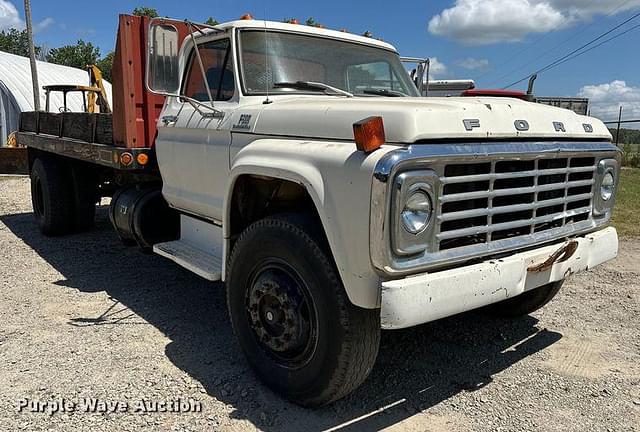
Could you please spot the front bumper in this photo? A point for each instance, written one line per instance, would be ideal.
(427, 297)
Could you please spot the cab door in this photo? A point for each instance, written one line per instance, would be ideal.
(192, 145)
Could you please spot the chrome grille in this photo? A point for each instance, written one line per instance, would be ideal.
(487, 201)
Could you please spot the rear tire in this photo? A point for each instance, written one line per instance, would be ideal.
(292, 317)
(52, 196)
(526, 303)
(85, 197)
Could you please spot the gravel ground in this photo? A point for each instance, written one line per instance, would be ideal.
(85, 318)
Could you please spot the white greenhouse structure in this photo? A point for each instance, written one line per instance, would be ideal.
(16, 89)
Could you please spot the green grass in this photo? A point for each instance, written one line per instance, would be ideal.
(631, 155)
(626, 217)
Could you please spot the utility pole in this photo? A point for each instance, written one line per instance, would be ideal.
(32, 56)
(619, 122)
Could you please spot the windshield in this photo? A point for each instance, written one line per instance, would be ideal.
(272, 60)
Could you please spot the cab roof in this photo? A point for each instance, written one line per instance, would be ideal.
(304, 29)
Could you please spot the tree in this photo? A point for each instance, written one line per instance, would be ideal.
(146, 11)
(42, 52)
(211, 21)
(105, 64)
(627, 136)
(16, 42)
(79, 55)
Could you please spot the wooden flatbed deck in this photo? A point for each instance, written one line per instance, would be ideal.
(83, 136)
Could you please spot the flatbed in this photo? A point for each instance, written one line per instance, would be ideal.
(81, 136)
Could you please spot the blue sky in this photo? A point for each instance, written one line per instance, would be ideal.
(493, 41)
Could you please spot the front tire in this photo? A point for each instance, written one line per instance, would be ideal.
(528, 302)
(291, 315)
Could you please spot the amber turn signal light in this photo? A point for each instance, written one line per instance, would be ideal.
(369, 134)
(142, 158)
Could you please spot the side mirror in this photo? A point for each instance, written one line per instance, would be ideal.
(163, 75)
(420, 75)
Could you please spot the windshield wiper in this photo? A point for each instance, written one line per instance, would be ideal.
(384, 92)
(316, 86)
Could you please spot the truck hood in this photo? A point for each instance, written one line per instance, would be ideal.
(407, 120)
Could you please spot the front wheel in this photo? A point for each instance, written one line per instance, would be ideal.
(528, 302)
(292, 317)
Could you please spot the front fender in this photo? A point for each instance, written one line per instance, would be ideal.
(337, 177)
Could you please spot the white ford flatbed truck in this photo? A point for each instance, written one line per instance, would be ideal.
(301, 167)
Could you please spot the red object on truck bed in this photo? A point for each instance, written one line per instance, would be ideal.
(495, 93)
(135, 109)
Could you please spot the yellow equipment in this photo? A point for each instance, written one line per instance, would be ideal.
(95, 98)
(12, 141)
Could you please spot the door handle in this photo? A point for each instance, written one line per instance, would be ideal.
(169, 119)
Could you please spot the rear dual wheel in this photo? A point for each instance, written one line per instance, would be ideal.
(292, 317)
(63, 196)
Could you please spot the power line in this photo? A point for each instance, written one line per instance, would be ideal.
(621, 121)
(564, 60)
(595, 46)
(512, 58)
(561, 59)
(544, 54)
(573, 36)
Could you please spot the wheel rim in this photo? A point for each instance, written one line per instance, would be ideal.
(281, 314)
(38, 198)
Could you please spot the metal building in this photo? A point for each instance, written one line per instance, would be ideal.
(16, 90)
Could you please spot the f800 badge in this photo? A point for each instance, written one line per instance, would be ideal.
(244, 122)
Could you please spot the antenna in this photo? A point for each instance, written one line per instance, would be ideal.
(267, 101)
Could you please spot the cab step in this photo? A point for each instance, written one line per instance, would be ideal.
(199, 249)
(203, 264)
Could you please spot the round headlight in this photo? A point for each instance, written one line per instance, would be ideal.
(416, 213)
(607, 187)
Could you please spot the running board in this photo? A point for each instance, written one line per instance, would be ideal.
(199, 249)
(203, 264)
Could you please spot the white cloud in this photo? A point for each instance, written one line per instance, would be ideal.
(471, 63)
(437, 68)
(477, 22)
(43, 25)
(9, 16)
(606, 99)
